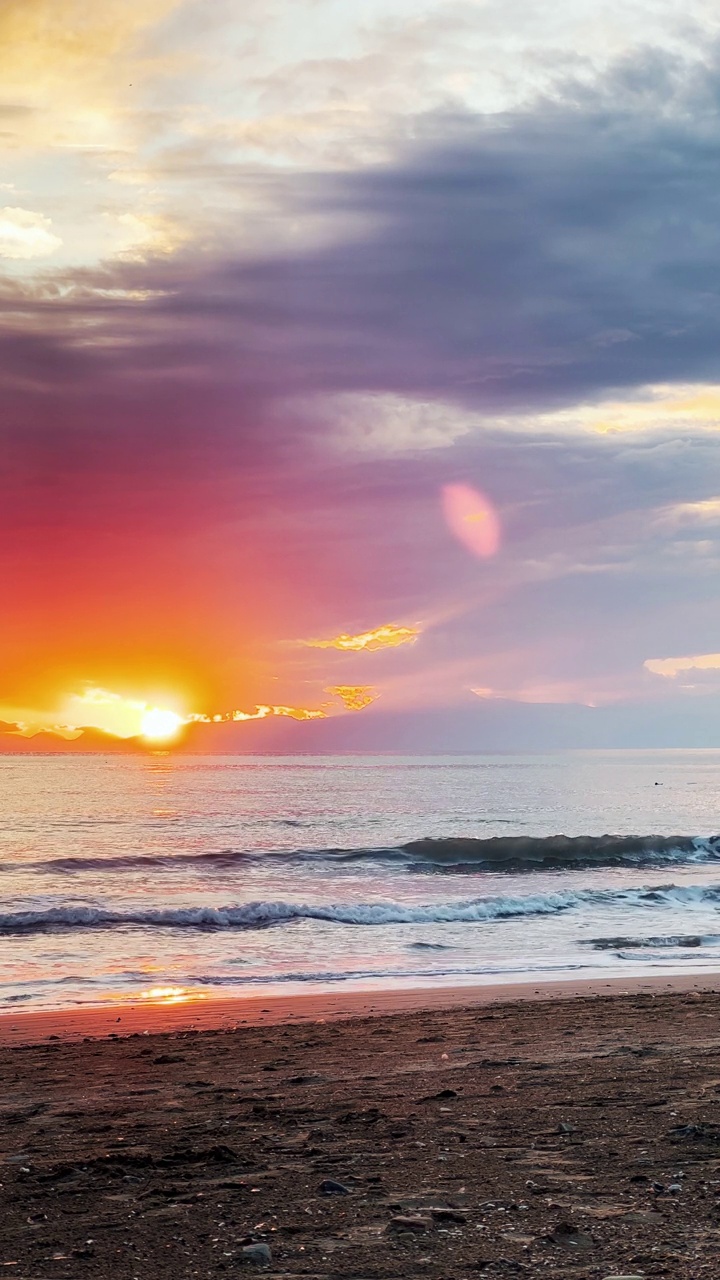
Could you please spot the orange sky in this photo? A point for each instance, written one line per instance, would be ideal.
(356, 361)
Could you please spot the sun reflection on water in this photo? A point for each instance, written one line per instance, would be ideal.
(170, 995)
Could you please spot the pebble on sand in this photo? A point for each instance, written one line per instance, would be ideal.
(403, 1222)
(261, 1254)
(331, 1188)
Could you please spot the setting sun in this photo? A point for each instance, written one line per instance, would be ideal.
(160, 725)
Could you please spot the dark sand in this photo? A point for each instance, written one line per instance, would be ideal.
(546, 1137)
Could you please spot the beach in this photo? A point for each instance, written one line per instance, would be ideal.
(360, 1018)
(572, 1133)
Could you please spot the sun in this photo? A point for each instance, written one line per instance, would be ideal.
(160, 725)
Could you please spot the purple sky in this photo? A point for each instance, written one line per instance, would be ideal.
(274, 276)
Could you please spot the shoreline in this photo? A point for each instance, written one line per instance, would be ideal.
(227, 1014)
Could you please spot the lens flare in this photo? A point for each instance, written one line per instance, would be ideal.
(472, 519)
(159, 726)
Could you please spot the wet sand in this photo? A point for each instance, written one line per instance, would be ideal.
(258, 1010)
(551, 1135)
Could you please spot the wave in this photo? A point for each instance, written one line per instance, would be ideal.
(495, 853)
(530, 853)
(258, 915)
(664, 940)
(135, 861)
(355, 975)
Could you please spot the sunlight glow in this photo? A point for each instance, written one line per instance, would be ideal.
(100, 710)
(159, 726)
(169, 995)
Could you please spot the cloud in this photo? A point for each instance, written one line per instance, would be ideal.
(292, 713)
(261, 712)
(102, 709)
(492, 262)
(355, 697)
(126, 717)
(146, 235)
(99, 711)
(523, 303)
(672, 667)
(57, 57)
(553, 692)
(662, 408)
(24, 234)
(362, 76)
(95, 708)
(506, 264)
(704, 512)
(388, 636)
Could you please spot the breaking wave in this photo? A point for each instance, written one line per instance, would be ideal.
(496, 853)
(258, 915)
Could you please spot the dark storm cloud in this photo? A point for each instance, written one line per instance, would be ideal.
(516, 262)
(538, 261)
(522, 260)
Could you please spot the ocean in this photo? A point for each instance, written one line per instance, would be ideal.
(160, 877)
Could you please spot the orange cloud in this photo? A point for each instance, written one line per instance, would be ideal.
(19, 729)
(94, 708)
(261, 712)
(355, 696)
(111, 713)
(389, 636)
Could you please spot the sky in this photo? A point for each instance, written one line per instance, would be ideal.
(360, 374)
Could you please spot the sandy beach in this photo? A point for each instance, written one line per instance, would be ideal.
(556, 1135)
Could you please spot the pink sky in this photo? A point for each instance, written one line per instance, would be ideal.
(276, 281)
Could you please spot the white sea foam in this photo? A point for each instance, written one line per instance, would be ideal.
(254, 915)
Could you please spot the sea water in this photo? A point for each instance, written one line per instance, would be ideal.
(125, 878)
